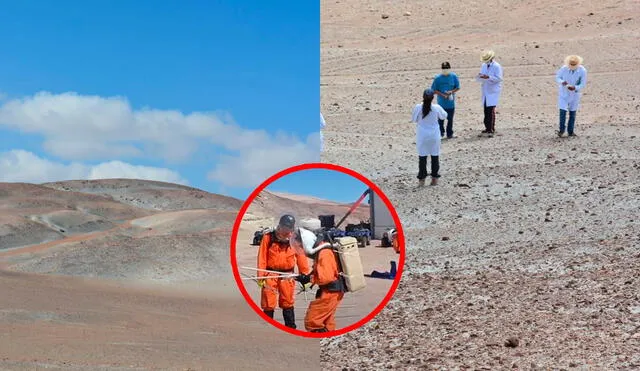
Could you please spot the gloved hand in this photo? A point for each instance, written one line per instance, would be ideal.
(303, 278)
(261, 283)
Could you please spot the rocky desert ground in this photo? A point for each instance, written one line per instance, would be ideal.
(126, 274)
(265, 211)
(526, 255)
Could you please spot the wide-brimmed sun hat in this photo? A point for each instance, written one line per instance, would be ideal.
(487, 55)
(573, 59)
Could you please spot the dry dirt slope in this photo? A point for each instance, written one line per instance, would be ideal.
(60, 312)
(268, 206)
(544, 235)
(126, 229)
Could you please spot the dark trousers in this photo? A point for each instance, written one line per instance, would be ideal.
(489, 118)
(563, 120)
(422, 167)
(449, 131)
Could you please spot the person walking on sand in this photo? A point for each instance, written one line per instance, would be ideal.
(571, 79)
(426, 116)
(491, 78)
(445, 85)
(275, 254)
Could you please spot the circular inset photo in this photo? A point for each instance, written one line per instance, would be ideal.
(317, 250)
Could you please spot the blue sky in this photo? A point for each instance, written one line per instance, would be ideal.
(322, 183)
(215, 94)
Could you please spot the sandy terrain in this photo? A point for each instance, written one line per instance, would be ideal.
(355, 306)
(527, 235)
(62, 323)
(127, 277)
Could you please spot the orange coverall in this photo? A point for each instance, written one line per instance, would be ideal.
(396, 244)
(322, 311)
(276, 256)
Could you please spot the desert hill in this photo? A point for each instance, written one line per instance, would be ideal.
(133, 229)
(151, 195)
(116, 228)
(268, 206)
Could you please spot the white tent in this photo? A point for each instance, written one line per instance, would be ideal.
(381, 219)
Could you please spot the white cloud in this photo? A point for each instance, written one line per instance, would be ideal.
(94, 128)
(255, 164)
(75, 126)
(23, 166)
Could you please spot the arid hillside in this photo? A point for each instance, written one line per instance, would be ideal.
(124, 229)
(268, 207)
(127, 274)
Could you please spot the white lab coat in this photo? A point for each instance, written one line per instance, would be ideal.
(322, 125)
(567, 99)
(491, 87)
(428, 129)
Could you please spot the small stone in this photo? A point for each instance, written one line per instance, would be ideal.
(512, 342)
(445, 238)
(385, 16)
(407, 14)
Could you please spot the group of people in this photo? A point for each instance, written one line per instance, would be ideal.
(279, 253)
(430, 117)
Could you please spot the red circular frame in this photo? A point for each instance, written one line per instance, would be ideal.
(256, 192)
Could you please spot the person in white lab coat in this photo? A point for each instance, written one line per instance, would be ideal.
(322, 125)
(571, 79)
(426, 116)
(491, 78)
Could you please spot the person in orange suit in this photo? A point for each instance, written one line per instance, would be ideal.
(395, 243)
(276, 254)
(321, 314)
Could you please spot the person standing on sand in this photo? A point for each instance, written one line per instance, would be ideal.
(571, 79)
(445, 85)
(326, 273)
(491, 78)
(275, 254)
(426, 116)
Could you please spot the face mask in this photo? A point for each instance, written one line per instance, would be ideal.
(445, 72)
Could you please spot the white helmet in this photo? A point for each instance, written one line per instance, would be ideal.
(308, 240)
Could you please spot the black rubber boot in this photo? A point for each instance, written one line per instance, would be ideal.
(320, 330)
(289, 317)
(268, 313)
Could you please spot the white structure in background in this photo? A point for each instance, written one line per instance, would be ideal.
(380, 219)
(322, 125)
